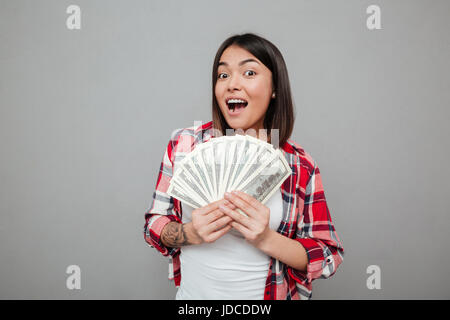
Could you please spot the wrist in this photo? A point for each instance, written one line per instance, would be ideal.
(191, 234)
(263, 243)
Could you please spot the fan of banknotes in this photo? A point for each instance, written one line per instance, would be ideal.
(226, 163)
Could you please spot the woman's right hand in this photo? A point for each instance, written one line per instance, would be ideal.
(209, 223)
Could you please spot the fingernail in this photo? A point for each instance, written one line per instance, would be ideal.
(227, 194)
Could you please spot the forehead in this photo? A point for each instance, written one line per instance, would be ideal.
(233, 55)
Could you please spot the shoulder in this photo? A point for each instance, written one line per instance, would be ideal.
(183, 140)
(302, 157)
(194, 132)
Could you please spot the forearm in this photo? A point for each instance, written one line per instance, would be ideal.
(286, 250)
(175, 235)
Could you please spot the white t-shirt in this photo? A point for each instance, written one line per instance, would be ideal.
(229, 268)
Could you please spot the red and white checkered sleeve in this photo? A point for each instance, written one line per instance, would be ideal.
(164, 207)
(316, 232)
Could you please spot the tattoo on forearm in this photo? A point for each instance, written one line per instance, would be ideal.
(174, 235)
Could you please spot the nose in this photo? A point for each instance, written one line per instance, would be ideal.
(234, 83)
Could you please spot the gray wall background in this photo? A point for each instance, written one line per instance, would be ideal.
(86, 115)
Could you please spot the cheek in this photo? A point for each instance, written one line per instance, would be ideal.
(218, 92)
(260, 91)
(217, 87)
(219, 97)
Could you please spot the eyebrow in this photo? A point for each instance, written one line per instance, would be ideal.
(223, 63)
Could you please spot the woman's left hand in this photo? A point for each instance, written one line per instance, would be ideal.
(254, 227)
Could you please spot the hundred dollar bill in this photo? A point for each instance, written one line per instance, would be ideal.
(202, 157)
(249, 154)
(257, 155)
(238, 161)
(191, 189)
(264, 148)
(207, 155)
(230, 161)
(179, 193)
(219, 163)
(263, 183)
(194, 178)
(195, 167)
(261, 155)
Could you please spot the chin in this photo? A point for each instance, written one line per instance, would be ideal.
(236, 123)
(237, 126)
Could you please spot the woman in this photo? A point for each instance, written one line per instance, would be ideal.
(283, 245)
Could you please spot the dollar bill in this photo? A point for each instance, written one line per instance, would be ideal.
(188, 184)
(249, 154)
(196, 167)
(219, 162)
(263, 183)
(260, 157)
(191, 173)
(203, 157)
(239, 162)
(230, 161)
(179, 193)
(207, 155)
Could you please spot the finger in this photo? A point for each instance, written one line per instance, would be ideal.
(214, 215)
(216, 235)
(236, 216)
(239, 227)
(210, 207)
(251, 200)
(229, 204)
(218, 224)
(241, 204)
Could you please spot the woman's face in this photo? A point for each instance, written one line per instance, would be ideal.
(241, 75)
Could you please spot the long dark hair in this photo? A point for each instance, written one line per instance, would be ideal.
(280, 113)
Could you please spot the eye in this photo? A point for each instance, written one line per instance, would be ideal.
(219, 76)
(251, 72)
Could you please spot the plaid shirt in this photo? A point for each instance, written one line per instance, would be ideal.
(306, 217)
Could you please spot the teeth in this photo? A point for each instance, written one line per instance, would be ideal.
(236, 101)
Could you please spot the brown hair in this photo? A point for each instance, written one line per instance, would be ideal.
(280, 113)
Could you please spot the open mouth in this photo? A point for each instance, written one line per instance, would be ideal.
(236, 104)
